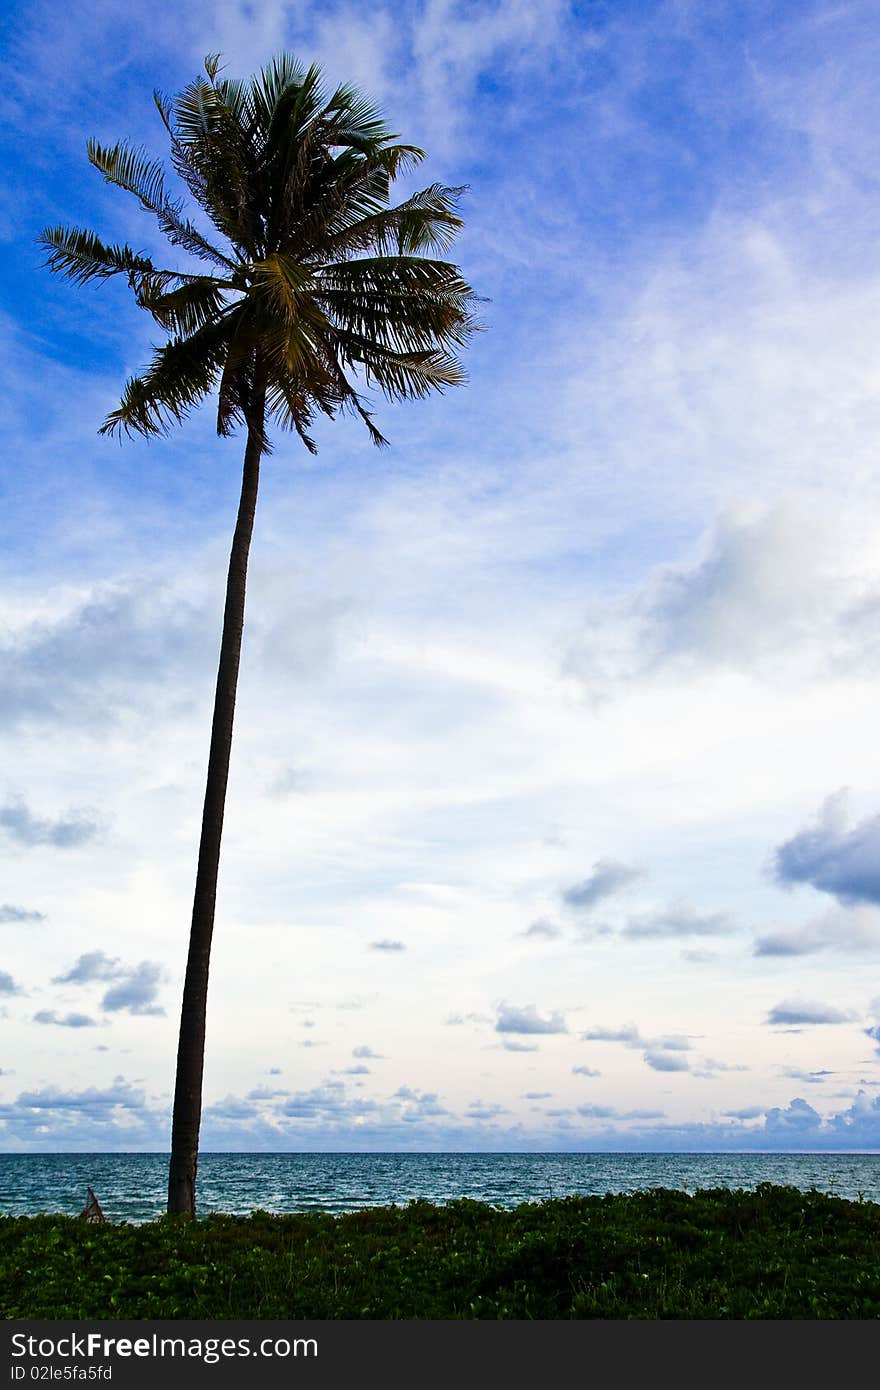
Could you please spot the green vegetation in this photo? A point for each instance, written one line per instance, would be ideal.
(773, 1253)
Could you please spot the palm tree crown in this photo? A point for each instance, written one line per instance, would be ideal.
(315, 280)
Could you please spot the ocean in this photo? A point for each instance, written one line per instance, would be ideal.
(132, 1187)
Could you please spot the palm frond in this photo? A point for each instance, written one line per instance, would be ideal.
(180, 160)
(405, 303)
(399, 159)
(354, 120)
(402, 375)
(283, 75)
(130, 168)
(213, 153)
(426, 221)
(181, 374)
(81, 256)
(186, 308)
(292, 315)
(291, 409)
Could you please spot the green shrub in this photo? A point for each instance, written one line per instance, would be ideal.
(773, 1253)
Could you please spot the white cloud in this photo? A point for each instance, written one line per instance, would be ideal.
(681, 918)
(92, 965)
(839, 931)
(542, 929)
(779, 593)
(66, 832)
(69, 1020)
(802, 1011)
(607, 879)
(9, 912)
(526, 1019)
(658, 1059)
(840, 861)
(136, 992)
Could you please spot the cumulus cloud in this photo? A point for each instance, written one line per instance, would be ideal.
(480, 1110)
(22, 826)
(608, 1112)
(513, 1045)
(851, 930)
(328, 1102)
(93, 1098)
(325, 1116)
(585, 1071)
(662, 1053)
(796, 1126)
(754, 592)
(366, 1052)
(628, 1034)
(386, 945)
(681, 918)
(71, 1020)
(92, 965)
(659, 1059)
(136, 992)
(418, 1105)
(608, 878)
(105, 652)
(542, 929)
(798, 1117)
(100, 1118)
(813, 1078)
(10, 913)
(527, 1020)
(7, 984)
(230, 1108)
(708, 1067)
(769, 592)
(835, 859)
(796, 1012)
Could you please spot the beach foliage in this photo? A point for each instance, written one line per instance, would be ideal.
(775, 1252)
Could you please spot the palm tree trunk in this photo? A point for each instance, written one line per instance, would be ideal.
(191, 1046)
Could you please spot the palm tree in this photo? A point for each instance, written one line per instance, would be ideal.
(312, 288)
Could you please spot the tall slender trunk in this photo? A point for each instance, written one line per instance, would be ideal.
(191, 1046)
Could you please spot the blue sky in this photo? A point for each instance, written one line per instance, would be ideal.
(554, 815)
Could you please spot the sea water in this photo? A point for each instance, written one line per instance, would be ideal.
(132, 1186)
